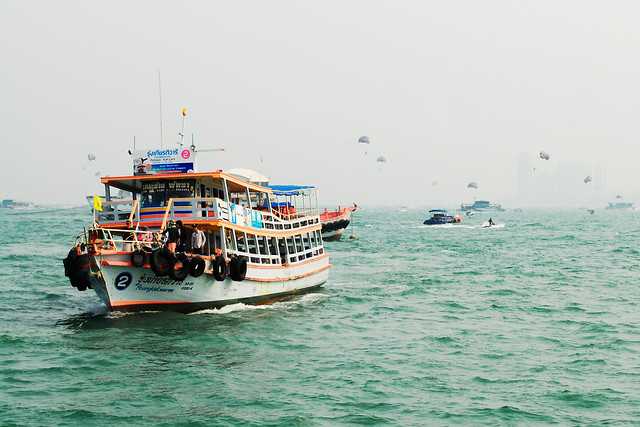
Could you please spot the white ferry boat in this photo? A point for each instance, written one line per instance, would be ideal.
(619, 203)
(481, 206)
(261, 243)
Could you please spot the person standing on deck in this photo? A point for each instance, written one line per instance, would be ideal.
(185, 234)
(198, 240)
(173, 236)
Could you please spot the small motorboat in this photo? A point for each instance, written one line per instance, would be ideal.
(441, 216)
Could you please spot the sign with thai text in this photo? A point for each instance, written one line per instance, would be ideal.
(163, 160)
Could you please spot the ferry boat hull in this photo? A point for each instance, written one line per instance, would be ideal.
(127, 288)
(334, 223)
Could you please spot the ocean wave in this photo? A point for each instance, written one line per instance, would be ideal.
(311, 298)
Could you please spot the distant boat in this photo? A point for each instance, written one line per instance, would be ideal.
(13, 204)
(441, 216)
(481, 205)
(620, 205)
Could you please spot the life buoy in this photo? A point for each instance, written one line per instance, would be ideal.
(162, 262)
(238, 269)
(137, 258)
(181, 273)
(219, 268)
(197, 266)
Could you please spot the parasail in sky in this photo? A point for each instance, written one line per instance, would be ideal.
(587, 179)
(544, 155)
(364, 140)
(472, 185)
(91, 157)
(381, 159)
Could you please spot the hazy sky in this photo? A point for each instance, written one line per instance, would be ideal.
(446, 91)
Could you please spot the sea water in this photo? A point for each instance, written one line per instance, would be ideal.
(536, 322)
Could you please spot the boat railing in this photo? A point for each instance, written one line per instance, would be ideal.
(205, 208)
(123, 240)
(275, 221)
(200, 208)
(116, 210)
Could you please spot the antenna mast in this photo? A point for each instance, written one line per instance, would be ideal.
(183, 113)
(160, 105)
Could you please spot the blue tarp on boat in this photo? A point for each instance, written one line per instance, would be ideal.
(289, 190)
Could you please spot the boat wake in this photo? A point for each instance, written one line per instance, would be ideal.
(486, 225)
(460, 226)
(280, 305)
(97, 309)
(463, 226)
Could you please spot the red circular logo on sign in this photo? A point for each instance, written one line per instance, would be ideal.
(185, 154)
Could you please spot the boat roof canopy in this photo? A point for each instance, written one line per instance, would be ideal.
(134, 182)
(438, 210)
(249, 175)
(290, 190)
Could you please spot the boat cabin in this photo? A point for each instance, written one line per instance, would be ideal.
(271, 225)
(438, 213)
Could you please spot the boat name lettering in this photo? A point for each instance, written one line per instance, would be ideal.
(163, 281)
(160, 284)
(163, 153)
(142, 288)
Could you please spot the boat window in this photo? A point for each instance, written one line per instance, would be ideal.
(181, 189)
(282, 250)
(290, 246)
(252, 243)
(262, 243)
(153, 194)
(231, 244)
(242, 243)
(273, 243)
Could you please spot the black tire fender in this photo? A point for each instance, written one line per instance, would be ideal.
(69, 262)
(238, 269)
(197, 266)
(162, 262)
(219, 268)
(137, 258)
(181, 273)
